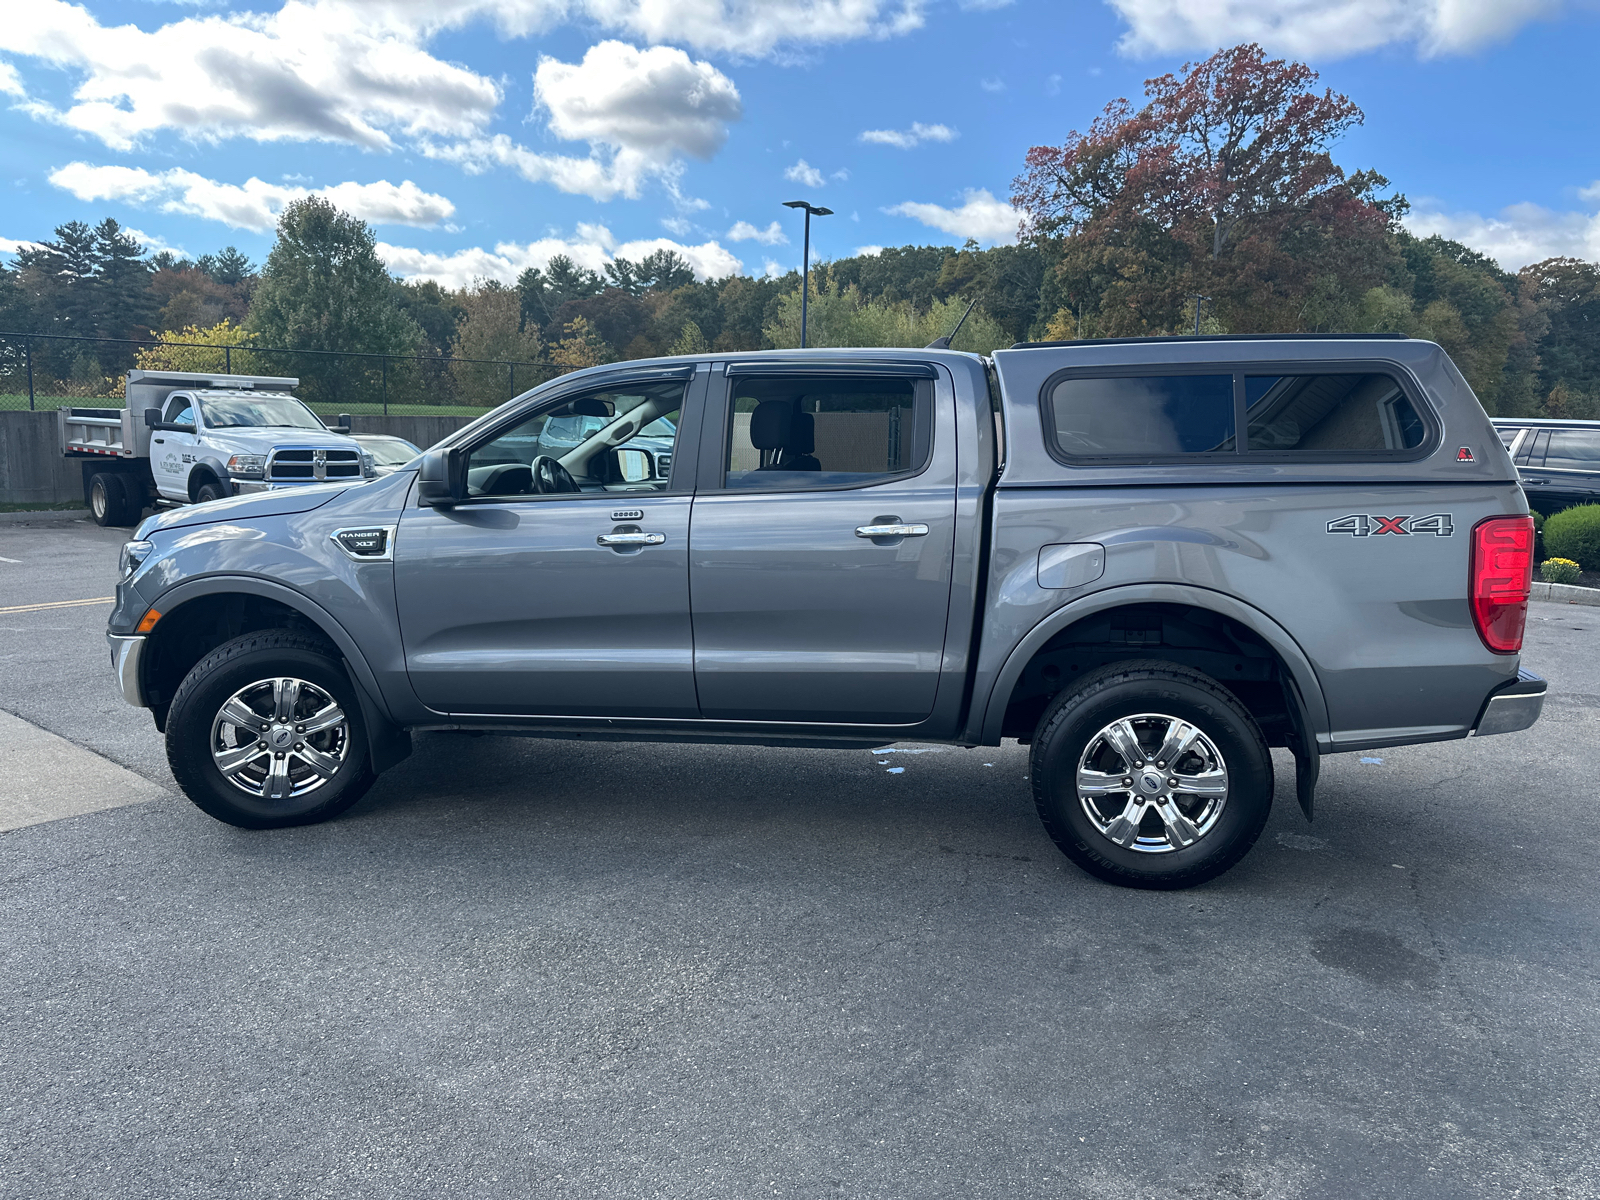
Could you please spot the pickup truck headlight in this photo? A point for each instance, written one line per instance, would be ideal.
(369, 468)
(132, 558)
(247, 466)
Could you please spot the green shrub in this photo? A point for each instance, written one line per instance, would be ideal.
(1559, 570)
(1574, 533)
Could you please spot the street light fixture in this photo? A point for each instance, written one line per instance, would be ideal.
(805, 257)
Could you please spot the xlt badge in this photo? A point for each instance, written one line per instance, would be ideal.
(371, 543)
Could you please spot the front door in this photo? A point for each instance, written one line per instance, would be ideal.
(821, 551)
(172, 454)
(560, 587)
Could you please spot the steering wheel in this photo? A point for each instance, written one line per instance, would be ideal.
(550, 476)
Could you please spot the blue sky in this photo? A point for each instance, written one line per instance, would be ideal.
(483, 136)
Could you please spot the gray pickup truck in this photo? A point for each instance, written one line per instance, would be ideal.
(1150, 560)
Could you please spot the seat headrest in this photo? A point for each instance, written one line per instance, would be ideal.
(771, 424)
(775, 425)
(589, 406)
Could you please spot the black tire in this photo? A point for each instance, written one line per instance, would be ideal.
(195, 730)
(1152, 851)
(111, 500)
(208, 491)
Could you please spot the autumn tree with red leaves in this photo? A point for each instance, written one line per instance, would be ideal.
(1222, 184)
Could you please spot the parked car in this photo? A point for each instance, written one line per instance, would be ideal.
(386, 451)
(188, 438)
(1558, 460)
(1149, 559)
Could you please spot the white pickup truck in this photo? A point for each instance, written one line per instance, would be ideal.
(186, 438)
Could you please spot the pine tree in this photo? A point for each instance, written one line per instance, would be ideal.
(123, 305)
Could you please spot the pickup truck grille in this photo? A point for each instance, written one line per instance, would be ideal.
(312, 466)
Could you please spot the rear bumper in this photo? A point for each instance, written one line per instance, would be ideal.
(125, 655)
(1513, 707)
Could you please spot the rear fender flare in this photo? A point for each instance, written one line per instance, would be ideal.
(1315, 708)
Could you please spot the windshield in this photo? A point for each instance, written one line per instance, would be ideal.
(258, 412)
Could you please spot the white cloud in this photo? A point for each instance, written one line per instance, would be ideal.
(657, 101)
(677, 226)
(905, 139)
(980, 216)
(1518, 235)
(868, 251)
(639, 110)
(773, 269)
(992, 85)
(317, 71)
(13, 246)
(592, 247)
(1052, 85)
(1324, 28)
(1592, 192)
(360, 71)
(153, 243)
(772, 235)
(252, 205)
(804, 172)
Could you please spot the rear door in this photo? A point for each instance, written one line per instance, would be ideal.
(821, 543)
(1572, 466)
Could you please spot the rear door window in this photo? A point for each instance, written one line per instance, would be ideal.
(826, 431)
(1573, 450)
(1334, 412)
(1142, 416)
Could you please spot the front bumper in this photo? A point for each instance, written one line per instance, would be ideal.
(1513, 707)
(125, 654)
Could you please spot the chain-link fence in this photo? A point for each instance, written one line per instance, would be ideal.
(42, 370)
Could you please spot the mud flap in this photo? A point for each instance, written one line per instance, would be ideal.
(1303, 744)
(387, 743)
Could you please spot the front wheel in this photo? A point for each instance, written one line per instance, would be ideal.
(1151, 775)
(266, 732)
(208, 491)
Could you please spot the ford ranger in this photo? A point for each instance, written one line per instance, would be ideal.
(1150, 560)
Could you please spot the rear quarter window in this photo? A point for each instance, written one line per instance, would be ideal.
(1251, 413)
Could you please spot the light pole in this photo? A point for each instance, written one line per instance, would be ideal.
(1198, 299)
(805, 257)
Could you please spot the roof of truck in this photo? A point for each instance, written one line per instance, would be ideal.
(1219, 337)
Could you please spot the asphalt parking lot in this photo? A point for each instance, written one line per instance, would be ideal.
(529, 968)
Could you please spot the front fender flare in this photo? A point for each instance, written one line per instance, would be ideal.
(211, 585)
(1275, 635)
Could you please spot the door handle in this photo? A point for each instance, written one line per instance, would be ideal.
(630, 539)
(160, 441)
(891, 531)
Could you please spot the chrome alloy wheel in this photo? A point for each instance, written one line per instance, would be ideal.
(1152, 783)
(276, 739)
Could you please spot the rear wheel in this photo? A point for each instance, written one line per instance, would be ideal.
(1151, 775)
(112, 500)
(266, 732)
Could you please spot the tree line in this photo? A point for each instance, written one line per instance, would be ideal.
(1215, 201)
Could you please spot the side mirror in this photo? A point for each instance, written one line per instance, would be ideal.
(442, 481)
(343, 426)
(152, 418)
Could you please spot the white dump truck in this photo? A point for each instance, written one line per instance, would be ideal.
(186, 438)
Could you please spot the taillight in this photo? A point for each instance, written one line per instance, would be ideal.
(1501, 575)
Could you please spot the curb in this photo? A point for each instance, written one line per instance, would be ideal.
(44, 514)
(1565, 593)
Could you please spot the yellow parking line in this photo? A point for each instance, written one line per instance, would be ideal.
(21, 608)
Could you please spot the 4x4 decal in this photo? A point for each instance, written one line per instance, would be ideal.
(1361, 525)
